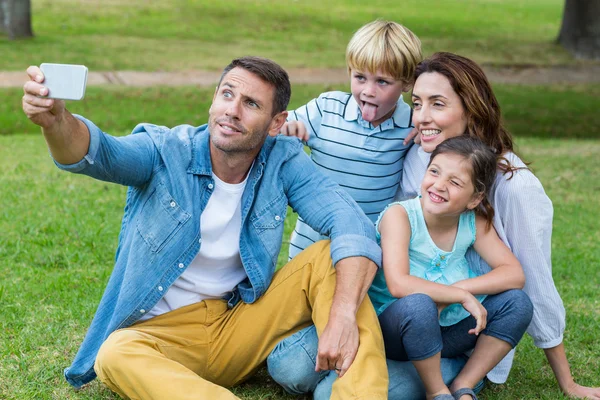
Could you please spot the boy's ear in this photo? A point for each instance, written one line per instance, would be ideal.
(406, 86)
(477, 198)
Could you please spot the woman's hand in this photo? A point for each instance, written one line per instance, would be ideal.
(577, 391)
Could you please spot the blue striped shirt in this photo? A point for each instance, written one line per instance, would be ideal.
(365, 160)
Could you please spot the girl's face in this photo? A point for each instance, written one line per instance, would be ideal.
(438, 111)
(447, 188)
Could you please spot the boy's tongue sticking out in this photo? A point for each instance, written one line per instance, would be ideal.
(368, 111)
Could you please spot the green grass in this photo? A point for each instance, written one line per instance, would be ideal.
(58, 234)
(530, 111)
(201, 34)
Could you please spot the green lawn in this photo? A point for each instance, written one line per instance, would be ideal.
(58, 234)
(178, 35)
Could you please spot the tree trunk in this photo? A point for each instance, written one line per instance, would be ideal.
(580, 30)
(3, 22)
(15, 18)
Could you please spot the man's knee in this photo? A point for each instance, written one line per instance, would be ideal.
(112, 356)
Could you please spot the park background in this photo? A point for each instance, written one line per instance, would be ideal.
(58, 231)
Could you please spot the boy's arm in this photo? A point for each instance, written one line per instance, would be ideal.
(305, 121)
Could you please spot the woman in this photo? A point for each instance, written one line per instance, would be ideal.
(452, 97)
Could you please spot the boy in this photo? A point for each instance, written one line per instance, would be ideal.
(357, 139)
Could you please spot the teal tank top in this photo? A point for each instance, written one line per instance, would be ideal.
(429, 262)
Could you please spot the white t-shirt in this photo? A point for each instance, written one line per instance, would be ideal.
(217, 268)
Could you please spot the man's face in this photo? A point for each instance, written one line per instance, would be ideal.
(240, 116)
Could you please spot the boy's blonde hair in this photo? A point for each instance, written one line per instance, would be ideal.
(386, 46)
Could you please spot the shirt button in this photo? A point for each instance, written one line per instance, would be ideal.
(160, 288)
(210, 186)
(181, 265)
(442, 257)
(437, 264)
(173, 204)
(200, 241)
(142, 311)
(277, 218)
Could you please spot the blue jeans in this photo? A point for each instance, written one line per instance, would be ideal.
(411, 329)
(292, 365)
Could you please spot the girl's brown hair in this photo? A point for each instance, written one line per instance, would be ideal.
(484, 119)
(483, 164)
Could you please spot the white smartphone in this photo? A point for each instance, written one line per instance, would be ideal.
(64, 81)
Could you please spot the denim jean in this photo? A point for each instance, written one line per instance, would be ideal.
(411, 330)
(292, 365)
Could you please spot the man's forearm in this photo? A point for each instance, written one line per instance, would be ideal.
(354, 276)
(68, 139)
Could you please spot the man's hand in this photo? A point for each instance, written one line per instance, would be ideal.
(338, 344)
(295, 128)
(41, 111)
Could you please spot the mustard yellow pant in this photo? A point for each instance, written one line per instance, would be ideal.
(196, 351)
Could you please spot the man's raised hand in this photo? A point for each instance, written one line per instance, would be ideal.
(41, 111)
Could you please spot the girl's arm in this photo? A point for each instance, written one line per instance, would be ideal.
(395, 232)
(506, 273)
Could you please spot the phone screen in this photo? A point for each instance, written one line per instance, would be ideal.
(65, 81)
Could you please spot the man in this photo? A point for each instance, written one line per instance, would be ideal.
(201, 231)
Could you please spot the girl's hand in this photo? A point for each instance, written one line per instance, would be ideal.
(478, 311)
(440, 307)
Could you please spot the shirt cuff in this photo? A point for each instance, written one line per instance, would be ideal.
(548, 344)
(355, 246)
(88, 159)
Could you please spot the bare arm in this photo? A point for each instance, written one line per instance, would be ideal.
(562, 371)
(506, 273)
(395, 238)
(68, 138)
(339, 342)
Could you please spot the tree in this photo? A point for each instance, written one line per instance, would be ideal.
(580, 30)
(15, 18)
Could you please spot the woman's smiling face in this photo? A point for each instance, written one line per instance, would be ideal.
(438, 113)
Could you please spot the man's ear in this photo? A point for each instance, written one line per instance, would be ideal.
(277, 122)
(477, 198)
(213, 99)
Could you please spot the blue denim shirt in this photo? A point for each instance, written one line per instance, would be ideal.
(168, 172)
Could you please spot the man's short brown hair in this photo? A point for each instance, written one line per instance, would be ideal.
(270, 72)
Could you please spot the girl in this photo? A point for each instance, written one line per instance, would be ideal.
(425, 273)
